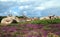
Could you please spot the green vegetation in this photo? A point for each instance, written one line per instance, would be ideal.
(46, 22)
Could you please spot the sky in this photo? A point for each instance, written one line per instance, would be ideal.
(30, 8)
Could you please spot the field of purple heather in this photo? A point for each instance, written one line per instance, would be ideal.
(30, 30)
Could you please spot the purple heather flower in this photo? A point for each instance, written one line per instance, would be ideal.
(8, 29)
(32, 26)
(58, 33)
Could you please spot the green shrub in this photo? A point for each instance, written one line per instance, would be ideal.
(39, 22)
(51, 21)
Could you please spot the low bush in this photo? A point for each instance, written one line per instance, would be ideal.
(51, 21)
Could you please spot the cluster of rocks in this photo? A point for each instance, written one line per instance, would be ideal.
(9, 20)
(50, 17)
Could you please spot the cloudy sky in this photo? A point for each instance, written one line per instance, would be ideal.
(30, 8)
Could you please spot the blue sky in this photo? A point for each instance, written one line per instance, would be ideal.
(31, 8)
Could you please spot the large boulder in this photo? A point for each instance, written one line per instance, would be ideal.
(6, 21)
(42, 18)
(9, 20)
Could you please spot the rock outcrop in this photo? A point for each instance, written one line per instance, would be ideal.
(9, 20)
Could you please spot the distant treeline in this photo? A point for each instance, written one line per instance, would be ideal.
(20, 16)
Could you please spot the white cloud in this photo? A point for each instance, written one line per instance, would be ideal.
(10, 11)
(24, 0)
(4, 0)
(24, 7)
(52, 3)
(19, 1)
(15, 13)
(48, 4)
(5, 12)
(21, 7)
(39, 8)
(27, 6)
(13, 0)
(7, 0)
(24, 12)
